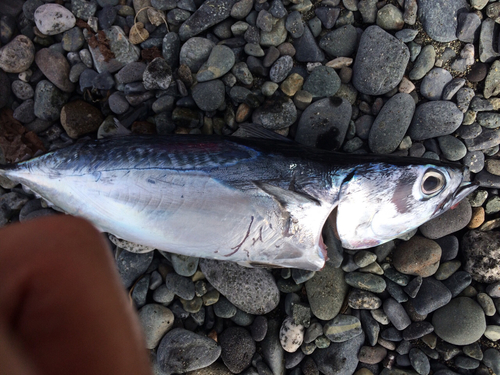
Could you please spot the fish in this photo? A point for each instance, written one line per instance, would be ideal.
(257, 202)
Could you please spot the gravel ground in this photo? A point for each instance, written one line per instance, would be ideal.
(408, 77)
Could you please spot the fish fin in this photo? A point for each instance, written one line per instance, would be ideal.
(286, 198)
(258, 131)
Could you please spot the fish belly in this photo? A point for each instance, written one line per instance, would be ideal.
(186, 212)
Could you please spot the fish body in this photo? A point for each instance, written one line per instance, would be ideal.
(256, 202)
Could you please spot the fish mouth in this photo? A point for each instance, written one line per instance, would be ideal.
(452, 201)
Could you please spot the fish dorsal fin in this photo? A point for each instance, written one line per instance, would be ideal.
(258, 131)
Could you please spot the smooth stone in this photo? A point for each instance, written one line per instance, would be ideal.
(280, 69)
(419, 256)
(131, 72)
(433, 119)
(209, 95)
(195, 51)
(252, 290)
(224, 309)
(130, 266)
(5, 95)
(79, 117)
(380, 62)
(291, 335)
(370, 325)
(157, 75)
(342, 328)
(419, 361)
(366, 281)
(220, 61)
(492, 83)
(18, 55)
(372, 355)
(156, 320)
(272, 351)
(489, 120)
(53, 19)
(447, 269)
(117, 103)
(180, 285)
(171, 45)
(339, 358)
(362, 299)
(55, 67)
(453, 149)
(340, 42)
(417, 330)
(492, 332)
(237, 348)
(389, 17)
(431, 296)
(25, 112)
(391, 124)
(307, 48)
(449, 222)
(424, 63)
(434, 82)
(322, 82)
(406, 35)
(275, 113)
(326, 291)
(259, 328)
(294, 24)
(461, 312)
(487, 52)
(457, 282)
(49, 101)
(396, 314)
(468, 27)
(276, 36)
(452, 88)
(210, 13)
(324, 123)
(181, 351)
(439, 18)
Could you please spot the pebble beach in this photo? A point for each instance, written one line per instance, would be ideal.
(417, 78)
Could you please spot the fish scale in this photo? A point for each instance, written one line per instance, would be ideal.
(252, 201)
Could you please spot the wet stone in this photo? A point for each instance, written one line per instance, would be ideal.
(396, 314)
(49, 101)
(417, 330)
(281, 68)
(275, 113)
(380, 63)
(340, 42)
(307, 48)
(339, 358)
(372, 355)
(209, 95)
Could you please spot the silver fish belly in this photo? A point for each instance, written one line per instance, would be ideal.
(249, 201)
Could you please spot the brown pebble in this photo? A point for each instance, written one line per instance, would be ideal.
(292, 84)
(55, 67)
(419, 256)
(79, 117)
(477, 218)
(138, 33)
(493, 166)
(372, 355)
(243, 112)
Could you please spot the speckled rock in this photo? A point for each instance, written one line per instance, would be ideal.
(433, 119)
(55, 67)
(481, 251)
(18, 55)
(79, 117)
(449, 222)
(210, 13)
(439, 18)
(238, 348)
(380, 63)
(275, 113)
(252, 290)
(419, 256)
(291, 335)
(52, 19)
(156, 320)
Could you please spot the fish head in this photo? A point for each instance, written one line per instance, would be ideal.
(382, 201)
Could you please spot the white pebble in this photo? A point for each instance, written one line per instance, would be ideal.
(291, 335)
(52, 19)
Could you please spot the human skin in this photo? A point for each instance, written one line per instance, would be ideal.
(63, 309)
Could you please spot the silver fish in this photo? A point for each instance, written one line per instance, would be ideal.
(252, 201)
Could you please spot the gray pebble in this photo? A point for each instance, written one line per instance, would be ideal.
(237, 348)
(380, 62)
(457, 282)
(323, 81)
(439, 18)
(431, 296)
(342, 328)
(340, 42)
(209, 95)
(184, 265)
(453, 149)
(419, 361)
(131, 266)
(339, 358)
(435, 118)
(156, 320)
(366, 281)
(281, 68)
(396, 314)
(424, 62)
(181, 286)
(434, 82)
(449, 222)
(275, 113)
(194, 52)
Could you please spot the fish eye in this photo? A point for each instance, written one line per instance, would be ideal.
(432, 182)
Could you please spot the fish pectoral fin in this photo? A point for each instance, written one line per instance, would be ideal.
(294, 206)
(286, 198)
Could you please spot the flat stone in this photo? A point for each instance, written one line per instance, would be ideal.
(48, 101)
(181, 351)
(157, 75)
(156, 320)
(396, 314)
(433, 119)
(366, 281)
(391, 124)
(252, 290)
(449, 222)
(340, 42)
(342, 328)
(131, 266)
(431, 296)
(480, 250)
(307, 48)
(339, 358)
(324, 123)
(237, 348)
(220, 61)
(418, 256)
(461, 312)
(439, 18)
(275, 113)
(322, 82)
(487, 52)
(434, 82)
(210, 13)
(209, 95)
(326, 292)
(380, 62)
